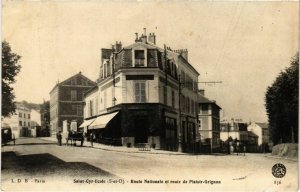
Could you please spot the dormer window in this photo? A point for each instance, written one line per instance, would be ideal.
(139, 58)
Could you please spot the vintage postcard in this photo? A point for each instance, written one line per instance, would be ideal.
(149, 95)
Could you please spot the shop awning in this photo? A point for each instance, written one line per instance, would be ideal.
(87, 122)
(102, 121)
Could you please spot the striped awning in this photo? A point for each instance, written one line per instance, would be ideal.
(87, 122)
(102, 121)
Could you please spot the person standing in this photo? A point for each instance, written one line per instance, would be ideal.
(14, 138)
(59, 138)
(91, 138)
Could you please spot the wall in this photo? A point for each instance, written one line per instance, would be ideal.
(256, 130)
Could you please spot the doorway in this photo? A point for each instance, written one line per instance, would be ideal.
(141, 130)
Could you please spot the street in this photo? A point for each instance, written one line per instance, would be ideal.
(48, 166)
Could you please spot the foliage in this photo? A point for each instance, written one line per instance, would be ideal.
(10, 68)
(281, 103)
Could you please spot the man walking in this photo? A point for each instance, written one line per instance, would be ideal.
(59, 138)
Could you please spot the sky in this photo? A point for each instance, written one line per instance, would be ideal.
(243, 44)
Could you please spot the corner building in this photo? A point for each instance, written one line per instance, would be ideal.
(138, 95)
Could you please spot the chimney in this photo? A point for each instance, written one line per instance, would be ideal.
(137, 37)
(118, 46)
(201, 92)
(143, 38)
(152, 38)
(183, 53)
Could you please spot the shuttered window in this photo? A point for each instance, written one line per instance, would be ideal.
(140, 92)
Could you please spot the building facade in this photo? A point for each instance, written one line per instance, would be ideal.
(237, 131)
(20, 122)
(66, 101)
(209, 123)
(144, 94)
(262, 131)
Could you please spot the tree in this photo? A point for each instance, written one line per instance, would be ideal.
(45, 118)
(10, 68)
(281, 103)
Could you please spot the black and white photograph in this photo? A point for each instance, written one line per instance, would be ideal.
(136, 95)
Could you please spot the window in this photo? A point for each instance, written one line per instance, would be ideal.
(192, 107)
(28, 124)
(74, 109)
(173, 99)
(182, 78)
(105, 99)
(105, 65)
(79, 110)
(73, 95)
(204, 108)
(91, 108)
(140, 92)
(24, 115)
(187, 105)
(20, 114)
(165, 95)
(139, 58)
(96, 107)
(183, 103)
(28, 116)
(20, 123)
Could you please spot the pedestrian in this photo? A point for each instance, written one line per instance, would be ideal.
(91, 138)
(14, 138)
(244, 150)
(59, 138)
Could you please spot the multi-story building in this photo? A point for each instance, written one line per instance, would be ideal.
(237, 130)
(209, 122)
(66, 101)
(262, 131)
(20, 122)
(137, 97)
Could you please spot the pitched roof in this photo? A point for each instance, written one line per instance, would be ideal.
(78, 74)
(263, 125)
(152, 46)
(202, 99)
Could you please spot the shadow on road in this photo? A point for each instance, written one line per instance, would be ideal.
(47, 165)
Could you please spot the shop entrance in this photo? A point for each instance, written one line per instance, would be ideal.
(141, 130)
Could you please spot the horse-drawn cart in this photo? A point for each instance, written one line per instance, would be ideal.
(75, 136)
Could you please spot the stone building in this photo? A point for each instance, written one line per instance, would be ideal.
(262, 131)
(20, 121)
(209, 123)
(237, 130)
(66, 101)
(137, 101)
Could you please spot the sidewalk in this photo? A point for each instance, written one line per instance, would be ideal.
(118, 148)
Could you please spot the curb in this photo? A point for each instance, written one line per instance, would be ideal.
(121, 151)
(280, 157)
